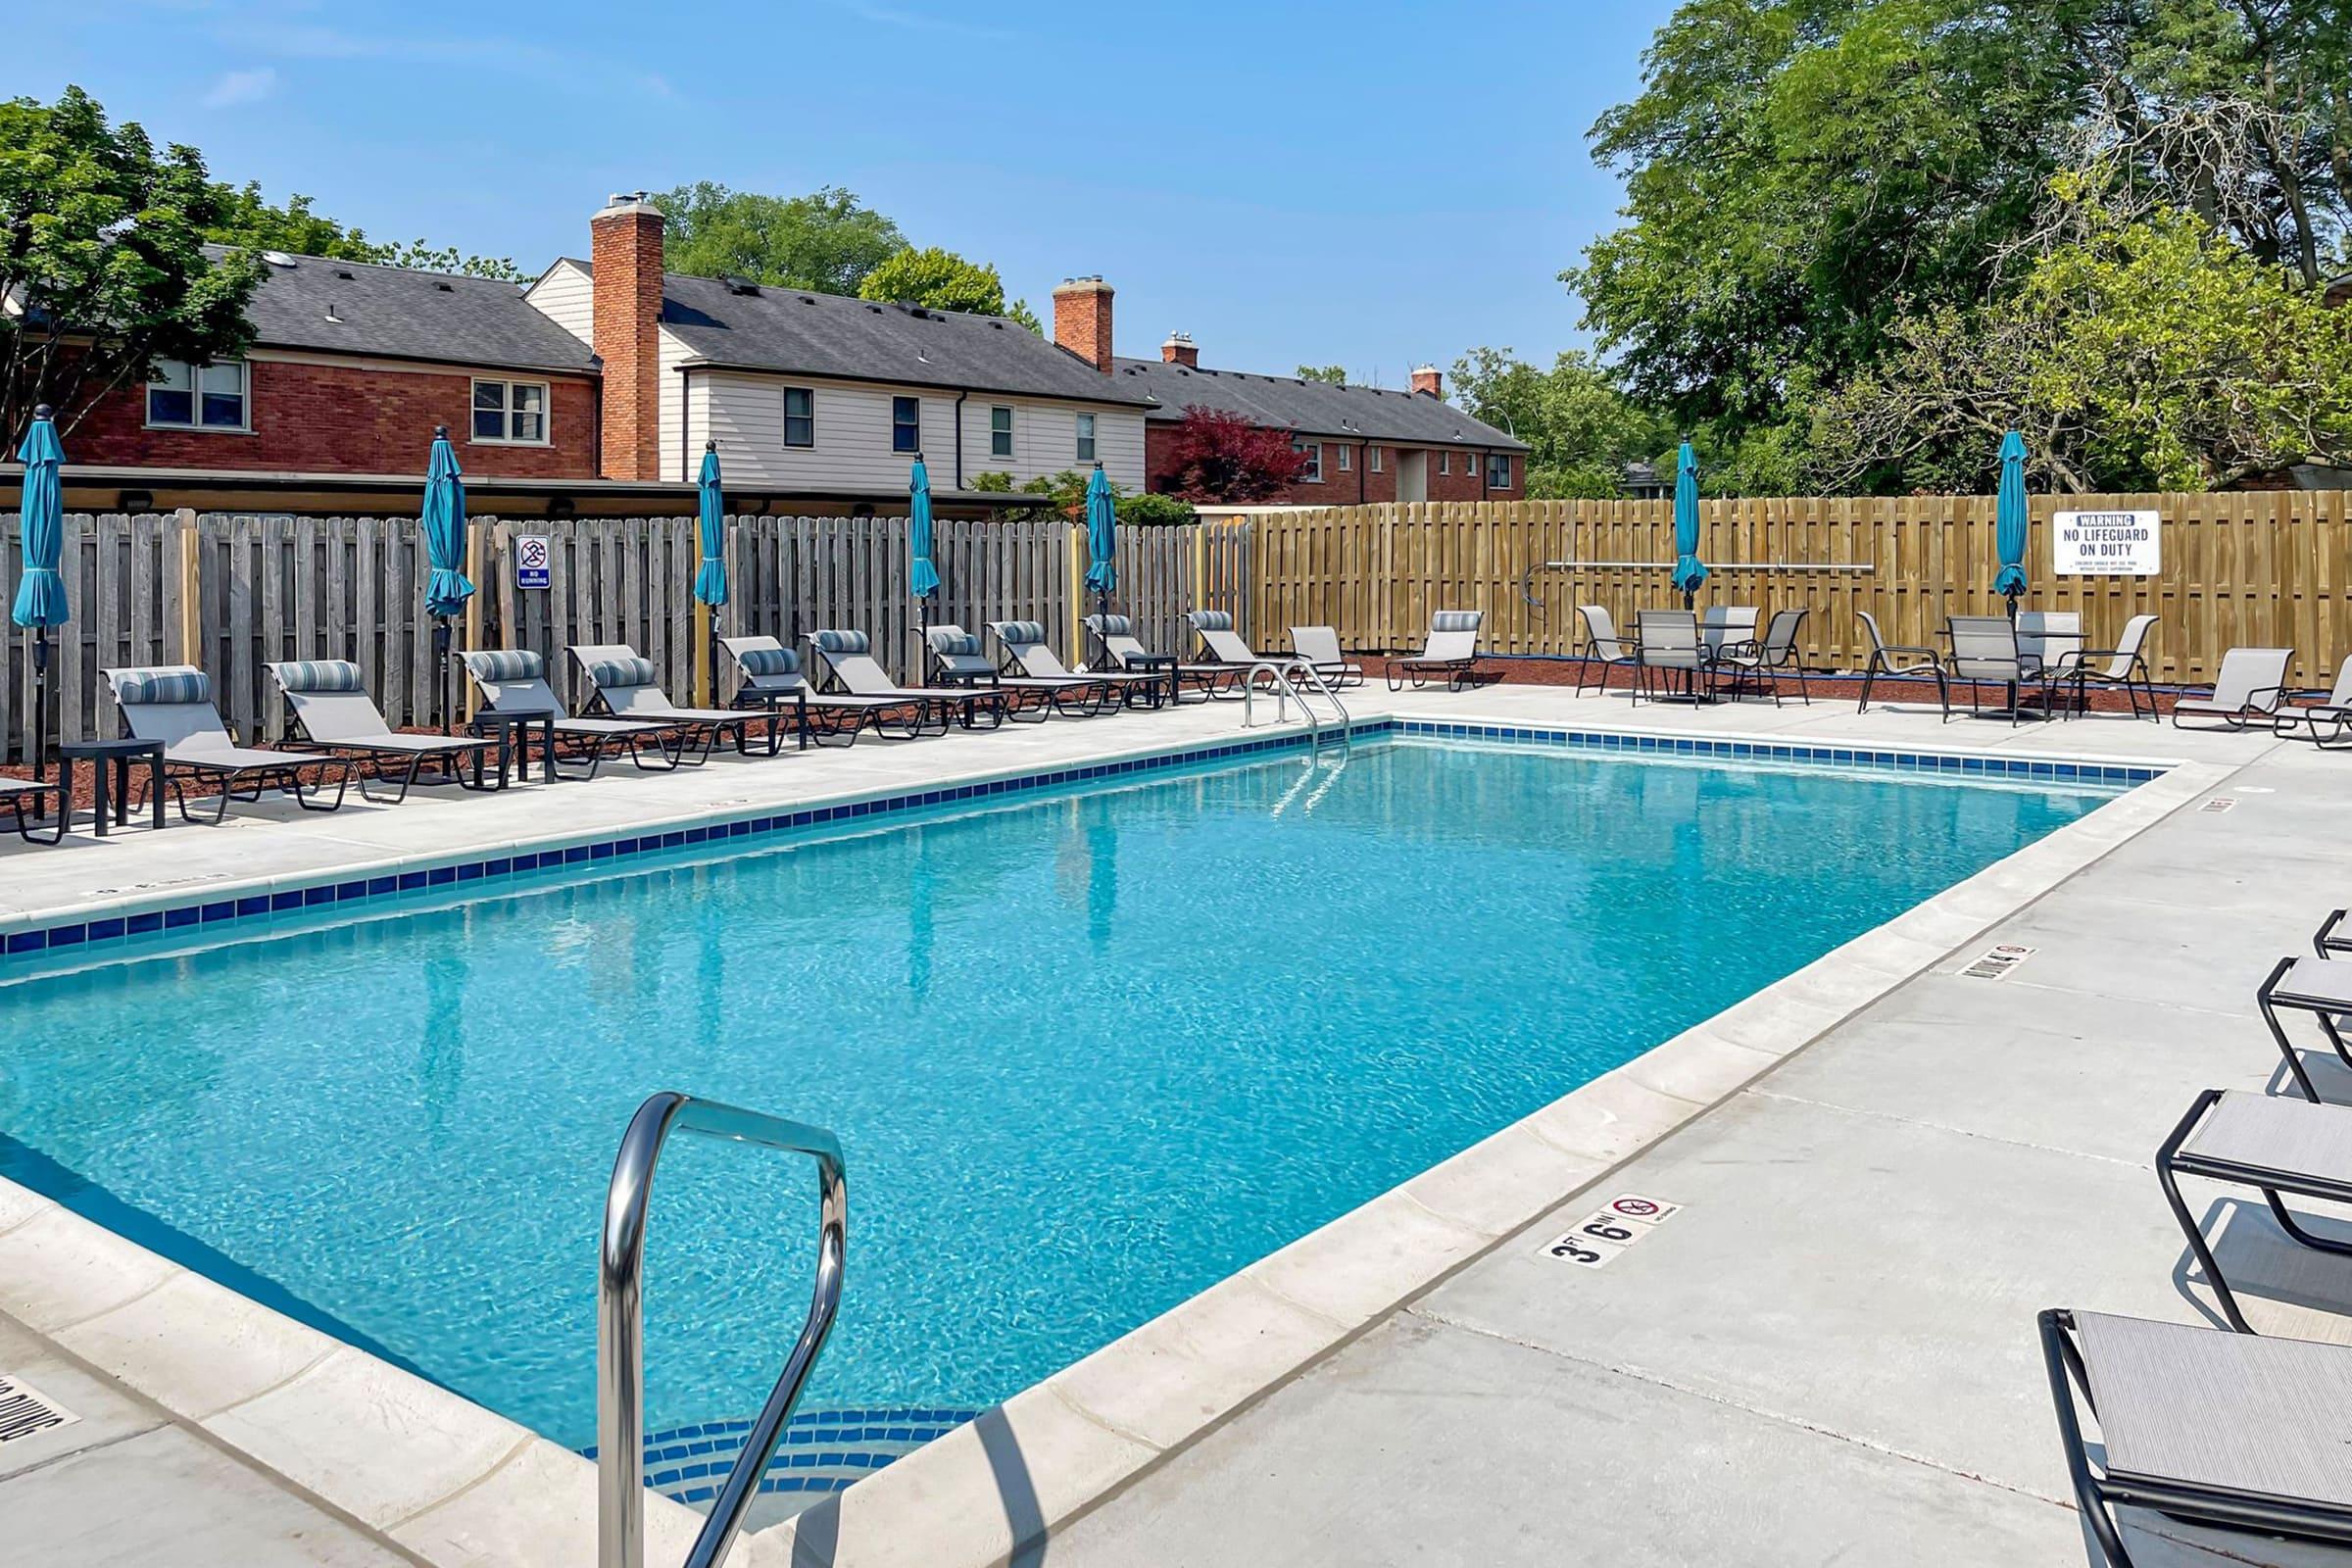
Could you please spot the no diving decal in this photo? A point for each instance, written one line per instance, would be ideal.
(1600, 1238)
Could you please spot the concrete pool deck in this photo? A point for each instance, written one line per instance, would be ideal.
(1829, 1349)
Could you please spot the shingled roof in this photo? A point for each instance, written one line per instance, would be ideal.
(1311, 408)
(794, 331)
(332, 307)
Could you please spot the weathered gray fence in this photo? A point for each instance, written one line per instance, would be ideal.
(231, 594)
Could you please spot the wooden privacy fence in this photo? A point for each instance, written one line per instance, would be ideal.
(231, 594)
(2258, 568)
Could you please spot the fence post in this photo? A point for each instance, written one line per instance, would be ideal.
(187, 627)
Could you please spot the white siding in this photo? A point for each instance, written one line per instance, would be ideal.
(676, 461)
(567, 296)
(746, 413)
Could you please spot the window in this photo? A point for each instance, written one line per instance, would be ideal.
(198, 397)
(510, 411)
(1377, 454)
(800, 416)
(1446, 463)
(1346, 459)
(1499, 471)
(905, 424)
(1000, 432)
(1312, 474)
(1086, 438)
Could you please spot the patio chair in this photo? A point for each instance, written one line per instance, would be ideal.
(627, 687)
(2261, 1141)
(1027, 651)
(514, 680)
(23, 797)
(2246, 690)
(2321, 720)
(2321, 986)
(173, 703)
(1601, 645)
(1722, 627)
(332, 710)
(767, 675)
(1115, 636)
(1214, 628)
(848, 655)
(2209, 1427)
(2125, 666)
(1986, 651)
(1762, 664)
(1898, 660)
(1449, 649)
(1319, 646)
(957, 654)
(1667, 645)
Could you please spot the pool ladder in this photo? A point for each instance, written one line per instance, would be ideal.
(621, 1321)
(1291, 678)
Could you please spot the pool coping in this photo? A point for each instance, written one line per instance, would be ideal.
(453, 1483)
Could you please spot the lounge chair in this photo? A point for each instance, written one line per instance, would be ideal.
(173, 703)
(1898, 660)
(1214, 628)
(627, 687)
(2321, 986)
(23, 797)
(767, 675)
(1319, 646)
(514, 680)
(1449, 649)
(2271, 1143)
(1032, 698)
(847, 656)
(2125, 666)
(1667, 646)
(1604, 647)
(334, 712)
(1986, 653)
(1027, 651)
(2212, 1428)
(1115, 635)
(1762, 664)
(2247, 690)
(2320, 722)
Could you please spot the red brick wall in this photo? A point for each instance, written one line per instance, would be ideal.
(1082, 319)
(336, 418)
(625, 254)
(1359, 485)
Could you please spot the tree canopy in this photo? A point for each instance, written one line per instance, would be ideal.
(943, 281)
(247, 218)
(1221, 457)
(826, 241)
(1335, 374)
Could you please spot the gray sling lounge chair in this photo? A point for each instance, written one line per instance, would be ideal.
(514, 680)
(627, 687)
(1214, 628)
(2213, 1428)
(1450, 650)
(173, 703)
(767, 675)
(1604, 647)
(2322, 722)
(1319, 646)
(2276, 1144)
(1027, 651)
(2321, 986)
(1030, 699)
(23, 797)
(2247, 690)
(1115, 635)
(334, 712)
(847, 656)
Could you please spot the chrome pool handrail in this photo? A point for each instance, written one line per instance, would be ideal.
(621, 1321)
(1284, 672)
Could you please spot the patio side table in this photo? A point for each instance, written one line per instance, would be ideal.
(111, 760)
(1148, 662)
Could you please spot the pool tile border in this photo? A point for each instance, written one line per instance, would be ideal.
(223, 904)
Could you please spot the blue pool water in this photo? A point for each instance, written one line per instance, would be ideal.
(1088, 1053)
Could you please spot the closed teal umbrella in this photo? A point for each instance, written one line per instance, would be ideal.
(2009, 519)
(446, 589)
(922, 576)
(1688, 570)
(41, 592)
(710, 577)
(1101, 539)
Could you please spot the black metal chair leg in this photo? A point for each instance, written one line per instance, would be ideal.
(2287, 1046)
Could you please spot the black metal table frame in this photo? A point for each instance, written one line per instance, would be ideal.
(112, 762)
(515, 742)
(1174, 665)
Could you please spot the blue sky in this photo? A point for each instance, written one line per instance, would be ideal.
(1369, 184)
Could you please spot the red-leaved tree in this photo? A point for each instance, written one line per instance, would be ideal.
(1222, 456)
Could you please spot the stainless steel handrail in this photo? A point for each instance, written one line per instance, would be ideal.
(621, 1321)
(1284, 671)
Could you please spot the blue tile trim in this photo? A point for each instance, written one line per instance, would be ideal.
(689, 1462)
(250, 906)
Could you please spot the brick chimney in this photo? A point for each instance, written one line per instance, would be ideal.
(1179, 350)
(625, 254)
(1430, 379)
(1082, 319)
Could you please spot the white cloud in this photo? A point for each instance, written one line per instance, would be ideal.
(241, 87)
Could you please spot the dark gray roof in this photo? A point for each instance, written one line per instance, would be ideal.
(1311, 408)
(793, 332)
(336, 307)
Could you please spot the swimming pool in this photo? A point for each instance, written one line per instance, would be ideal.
(1088, 1052)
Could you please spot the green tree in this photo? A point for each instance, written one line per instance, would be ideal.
(826, 241)
(248, 219)
(1335, 374)
(943, 280)
(102, 259)
(1580, 427)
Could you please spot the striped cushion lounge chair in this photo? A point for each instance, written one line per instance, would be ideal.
(1214, 628)
(956, 654)
(767, 674)
(514, 680)
(173, 703)
(2247, 690)
(627, 687)
(2229, 1431)
(1121, 649)
(848, 657)
(23, 798)
(1319, 646)
(1027, 651)
(1450, 650)
(334, 712)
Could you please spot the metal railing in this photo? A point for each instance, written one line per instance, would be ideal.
(621, 1321)
(1859, 569)
(1287, 673)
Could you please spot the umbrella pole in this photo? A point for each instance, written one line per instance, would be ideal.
(41, 703)
(449, 698)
